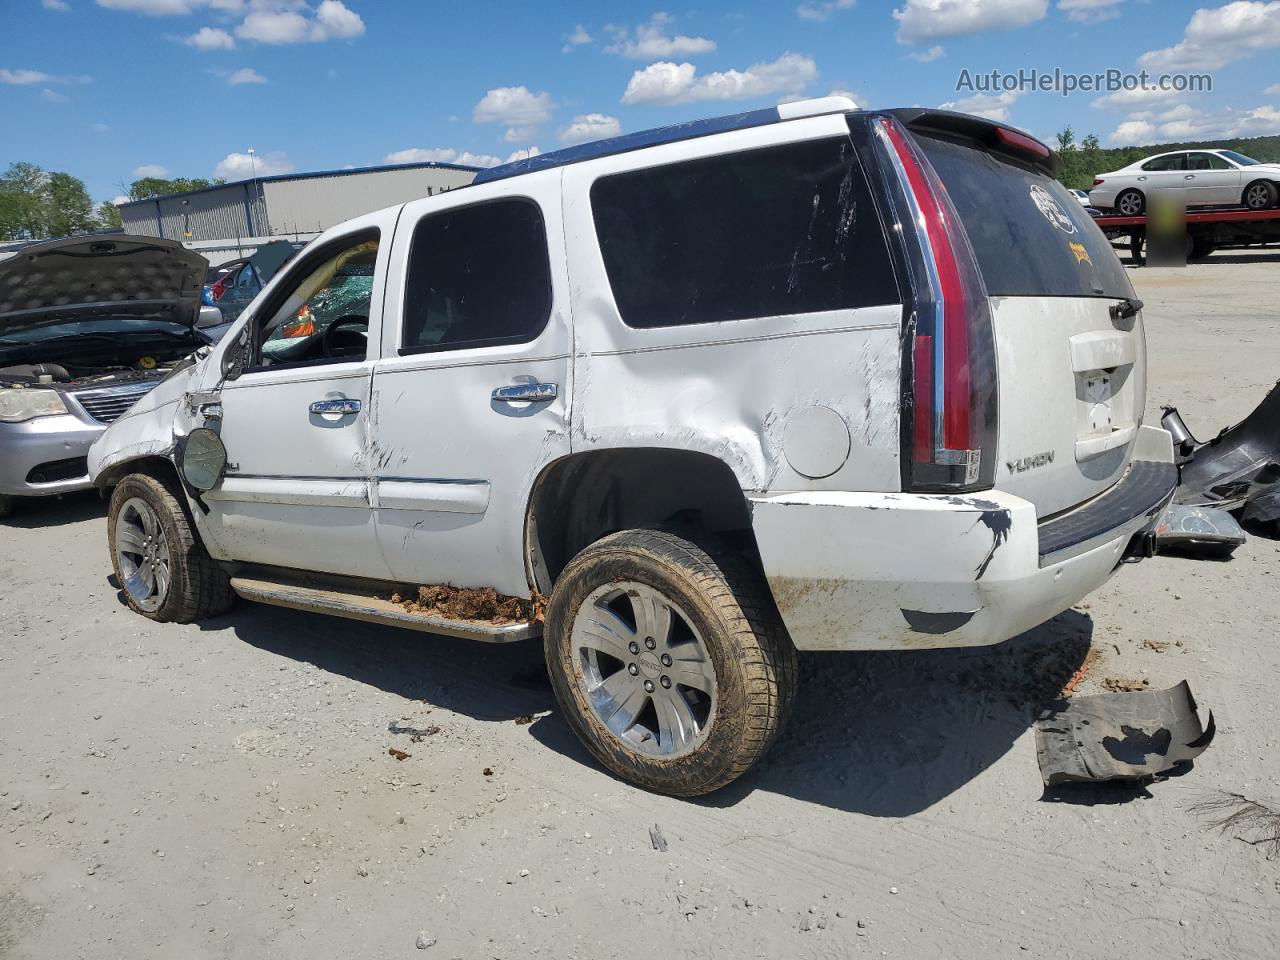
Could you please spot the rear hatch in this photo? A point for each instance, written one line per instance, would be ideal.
(1069, 344)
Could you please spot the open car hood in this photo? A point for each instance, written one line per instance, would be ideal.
(82, 277)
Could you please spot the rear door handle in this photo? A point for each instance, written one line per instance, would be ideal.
(525, 392)
(342, 406)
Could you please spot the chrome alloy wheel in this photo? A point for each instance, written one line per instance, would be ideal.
(142, 553)
(1131, 204)
(644, 668)
(1258, 197)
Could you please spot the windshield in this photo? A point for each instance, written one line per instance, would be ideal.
(1239, 158)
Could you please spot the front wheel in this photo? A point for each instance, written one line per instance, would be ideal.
(1260, 195)
(161, 565)
(669, 660)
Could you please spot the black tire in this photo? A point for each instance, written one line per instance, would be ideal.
(198, 587)
(728, 603)
(1200, 249)
(6, 505)
(1139, 199)
(1260, 195)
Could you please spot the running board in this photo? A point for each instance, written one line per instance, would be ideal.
(355, 605)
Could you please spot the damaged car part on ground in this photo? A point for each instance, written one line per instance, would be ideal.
(832, 423)
(87, 326)
(1238, 469)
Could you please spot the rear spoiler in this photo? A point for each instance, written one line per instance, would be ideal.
(996, 137)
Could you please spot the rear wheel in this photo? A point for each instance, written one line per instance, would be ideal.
(1131, 203)
(1260, 196)
(669, 660)
(161, 565)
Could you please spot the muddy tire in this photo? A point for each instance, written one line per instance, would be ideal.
(160, 563)
(669, 660)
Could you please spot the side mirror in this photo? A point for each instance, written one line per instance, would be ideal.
(209, 317)
(202, 458)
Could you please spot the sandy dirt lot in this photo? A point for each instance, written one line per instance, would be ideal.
(225, 790)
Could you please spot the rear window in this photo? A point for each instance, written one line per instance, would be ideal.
(1031, 237)
(768, 232)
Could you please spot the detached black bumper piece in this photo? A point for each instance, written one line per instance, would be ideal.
(1120, 736)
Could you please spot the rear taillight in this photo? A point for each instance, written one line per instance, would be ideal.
(952, 416)
(1098, 181)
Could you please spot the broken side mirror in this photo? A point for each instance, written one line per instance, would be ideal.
(202, 458)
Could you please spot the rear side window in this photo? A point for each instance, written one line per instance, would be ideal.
(1031, 236)
(478, 276)
(769, 232)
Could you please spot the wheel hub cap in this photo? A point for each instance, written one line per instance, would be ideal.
(142, 554)
(645, 669)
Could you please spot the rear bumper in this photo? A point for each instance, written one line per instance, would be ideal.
(35, 451)
(855, 571)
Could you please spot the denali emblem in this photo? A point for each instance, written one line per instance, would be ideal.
(1030, 463)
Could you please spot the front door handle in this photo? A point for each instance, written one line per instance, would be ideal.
(1189, 176)
(525, 392)
(342, 407)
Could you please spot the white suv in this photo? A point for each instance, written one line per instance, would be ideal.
(805, 378)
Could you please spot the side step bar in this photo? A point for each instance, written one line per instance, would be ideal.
(373, 609)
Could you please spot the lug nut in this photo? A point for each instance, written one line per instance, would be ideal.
(632, 669)
(666, 659)
(633, 647)
(666, 683)
(648, 686)
(650, 642)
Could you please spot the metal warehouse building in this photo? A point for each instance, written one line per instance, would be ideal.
(289, 203)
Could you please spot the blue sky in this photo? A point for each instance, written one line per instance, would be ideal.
(112, 89)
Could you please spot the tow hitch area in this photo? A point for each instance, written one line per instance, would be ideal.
(1238, 469)
(1120, 736)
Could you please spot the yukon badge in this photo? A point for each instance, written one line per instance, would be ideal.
(1030, 463)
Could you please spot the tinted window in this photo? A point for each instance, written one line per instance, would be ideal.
(478, 276)
(1206, 161)
(1031, 237)
(1240, 158)
(769, 232)
(1176, 162)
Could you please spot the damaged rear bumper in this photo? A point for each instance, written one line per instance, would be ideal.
(865, 571)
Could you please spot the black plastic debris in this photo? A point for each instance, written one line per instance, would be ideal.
(1198, 532)
(1239, 469)
(1120, 736)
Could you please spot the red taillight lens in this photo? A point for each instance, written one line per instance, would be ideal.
(1098, 181)
(953, 371)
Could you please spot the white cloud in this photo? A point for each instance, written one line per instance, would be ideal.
(60, 5)
(153, 8)
(522, 154)
(1137, 97)
(100, 127)
(578, 38)
(241, 166)
(519, 109)
(118, 199)
(442, 155)
(822, 10)
(27, 78)
(150, 170)
(1273, 90)
(928, 56)
(920, 21)
(651, 40)
(668, 83)
(1215, 37)
(53, 96)
(590, 126)
(857, 98)
(992, 106)
(210, 38)
(245, 75)
(1090, 11)
(1184, 122)
(283, 22)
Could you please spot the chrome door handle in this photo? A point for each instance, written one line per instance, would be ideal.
(526, 392)
(1189, 176)
(342, 407)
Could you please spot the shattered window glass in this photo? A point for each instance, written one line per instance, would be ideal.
(769, 232)
(478, 276)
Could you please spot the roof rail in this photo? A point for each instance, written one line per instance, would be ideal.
(672, 134)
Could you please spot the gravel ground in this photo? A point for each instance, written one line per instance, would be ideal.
(225, 790)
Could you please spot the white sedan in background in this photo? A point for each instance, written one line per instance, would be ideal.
(1208, 177)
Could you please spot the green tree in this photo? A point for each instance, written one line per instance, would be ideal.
(148, 187)
(22, 208)
(109, 215)
(68, 209)
(1066, 140)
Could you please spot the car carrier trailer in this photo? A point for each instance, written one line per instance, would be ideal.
(1207, 230)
